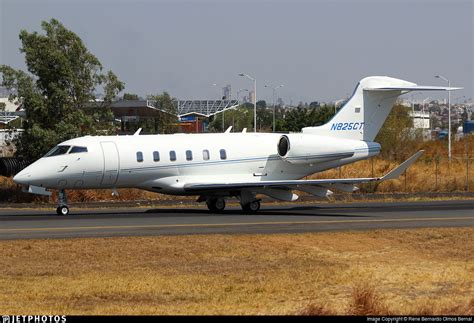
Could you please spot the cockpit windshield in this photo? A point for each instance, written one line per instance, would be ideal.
(58, 150)
(63, 150)
(78, 149)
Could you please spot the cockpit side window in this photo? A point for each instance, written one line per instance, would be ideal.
(78, 149)
(58, 150)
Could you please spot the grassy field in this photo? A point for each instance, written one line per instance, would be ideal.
(425, 271)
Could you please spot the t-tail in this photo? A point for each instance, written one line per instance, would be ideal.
(365, 112)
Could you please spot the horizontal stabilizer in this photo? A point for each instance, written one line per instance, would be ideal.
(395, 173)
(413, 88)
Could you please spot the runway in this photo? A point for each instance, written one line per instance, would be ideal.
(294, 218)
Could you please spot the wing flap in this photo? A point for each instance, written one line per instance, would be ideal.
(344, 183)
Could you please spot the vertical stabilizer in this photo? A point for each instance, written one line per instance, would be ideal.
(365, 112)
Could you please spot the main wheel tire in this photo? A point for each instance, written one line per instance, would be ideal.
(252, 207)
(62, 210)
(219, 204)
(216, 205)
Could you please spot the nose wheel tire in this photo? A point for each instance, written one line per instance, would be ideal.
(216, 205)
(252, 207)
(62, 210)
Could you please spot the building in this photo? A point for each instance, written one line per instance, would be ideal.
(468, 127)
(421, 119)
(11, 112)
(422, 122)
(227, 92)
(252, 97)
(194, 114)
(11, 121)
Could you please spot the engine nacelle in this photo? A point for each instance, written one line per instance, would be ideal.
(309, 149)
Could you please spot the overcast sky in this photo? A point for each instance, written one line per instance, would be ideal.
(318, 49)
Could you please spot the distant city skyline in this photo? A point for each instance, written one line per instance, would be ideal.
(318, 49)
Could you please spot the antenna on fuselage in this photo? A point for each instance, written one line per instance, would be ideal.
(137, 133)
(228, 129)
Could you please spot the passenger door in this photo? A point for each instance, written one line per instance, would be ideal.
(111, 163)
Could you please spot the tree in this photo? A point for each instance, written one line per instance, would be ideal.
(300, 117)
(58, 90)
(167, 122)
(130, 96)
(397, 136)
(239, 118)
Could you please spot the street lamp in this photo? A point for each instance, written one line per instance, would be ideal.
(273, 101)
(255, 100)
(449, 114)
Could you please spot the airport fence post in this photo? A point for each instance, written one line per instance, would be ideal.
(405, 173)
(467, 174)
(436, 171)
(372, 185)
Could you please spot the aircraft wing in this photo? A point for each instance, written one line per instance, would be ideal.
(338, 183)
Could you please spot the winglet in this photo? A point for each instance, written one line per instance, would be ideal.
(395, 173)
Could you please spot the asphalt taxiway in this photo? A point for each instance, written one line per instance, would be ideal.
(111, 222)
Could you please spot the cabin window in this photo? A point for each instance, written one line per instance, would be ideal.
(189, 155)
(139, 156)
(156, 156)
(223, 154)
(205, 154)
(77, 149)
(172, 155)
(58, 150)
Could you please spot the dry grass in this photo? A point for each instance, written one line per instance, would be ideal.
(423, 176)
(426, 271)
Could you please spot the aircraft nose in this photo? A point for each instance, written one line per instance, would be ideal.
(23, 177)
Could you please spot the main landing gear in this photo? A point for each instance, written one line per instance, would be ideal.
(62, 208)
(216, 204)
(251, 207)
(249, 204)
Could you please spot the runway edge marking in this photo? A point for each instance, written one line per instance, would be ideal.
(192, 225)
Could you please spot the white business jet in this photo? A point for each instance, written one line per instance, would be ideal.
(216, 166)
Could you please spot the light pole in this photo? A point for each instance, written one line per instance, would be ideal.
(255, 100)
(273, 101)
(449, 114)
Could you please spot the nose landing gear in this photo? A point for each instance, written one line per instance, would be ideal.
(62, 208)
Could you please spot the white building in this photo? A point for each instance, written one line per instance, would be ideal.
(9, 110)
(421, 120)
(251, 96)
